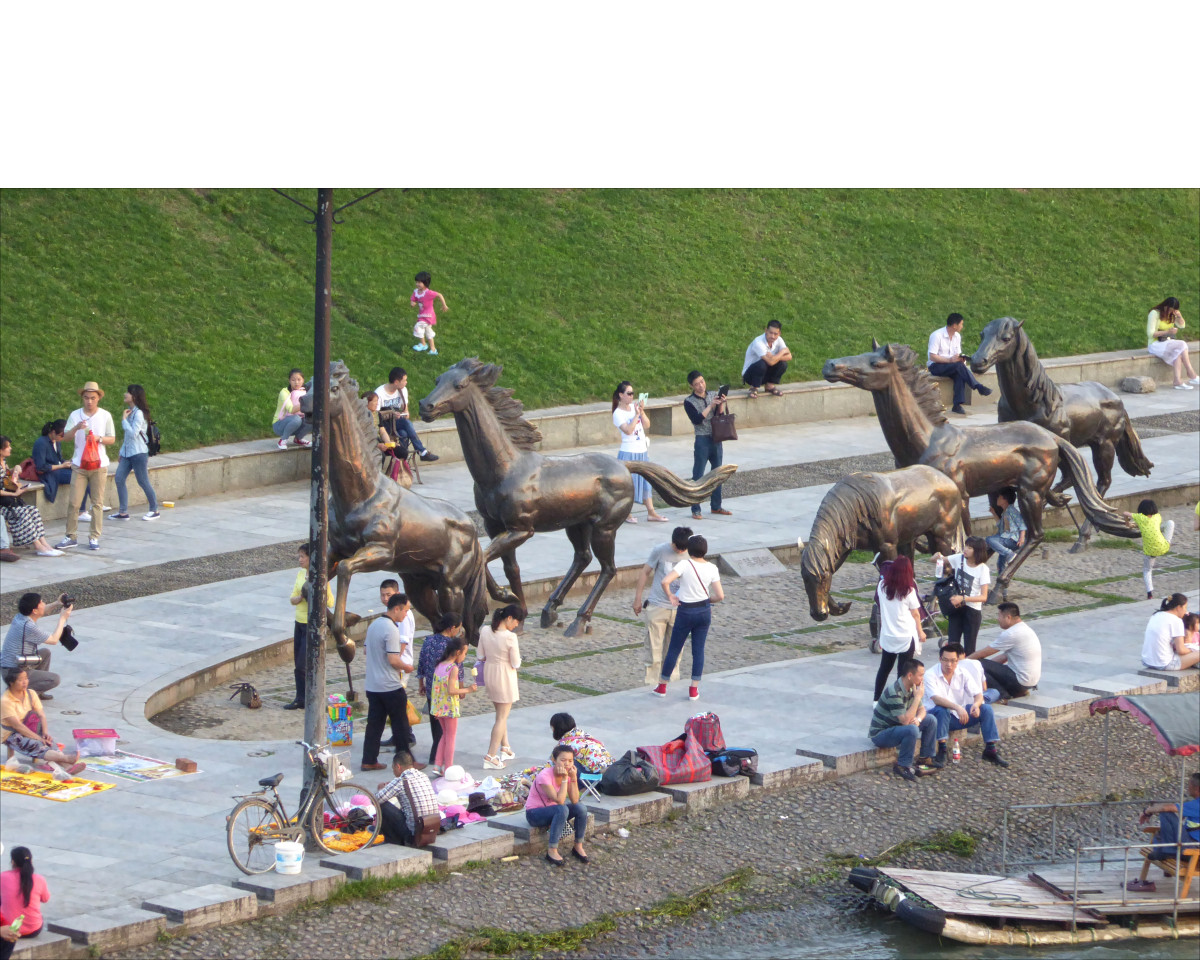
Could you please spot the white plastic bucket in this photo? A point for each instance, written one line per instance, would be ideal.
(289, 856)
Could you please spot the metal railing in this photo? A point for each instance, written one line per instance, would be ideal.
(1054, 808)
(1124, 901)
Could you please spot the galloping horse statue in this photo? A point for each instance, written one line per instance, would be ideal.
(1082, 413)
(883, 512)
(376, 524)
(519, 492)
(979, 460)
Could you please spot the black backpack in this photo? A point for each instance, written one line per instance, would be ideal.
(153, 439)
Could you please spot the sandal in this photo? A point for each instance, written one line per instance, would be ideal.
(631, 519)
(506, 753)
(659, 519)
(492, 763)
(774, 391)
(753, 394)
(1141, 886)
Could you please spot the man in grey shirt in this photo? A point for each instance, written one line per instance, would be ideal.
(25, 636)
(388, 660)
(657, 612)
(700, 405)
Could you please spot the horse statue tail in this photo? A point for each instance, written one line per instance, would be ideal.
(475, 596)
(1094, 507)
(1130, 455)
(675, 490)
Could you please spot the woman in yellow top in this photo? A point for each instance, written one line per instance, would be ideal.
(299, 600)
(1156, 539)
(289, 422)
(1162, 323)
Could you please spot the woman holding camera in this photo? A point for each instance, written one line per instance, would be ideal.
(25, 525)
(1162, 323)
(630, 419)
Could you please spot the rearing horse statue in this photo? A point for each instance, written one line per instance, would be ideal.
(376, 524)
(979, 460)
(519, 492)
(1082, 413)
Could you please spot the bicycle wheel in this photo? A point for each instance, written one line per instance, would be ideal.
(345, 819)
(252, 831)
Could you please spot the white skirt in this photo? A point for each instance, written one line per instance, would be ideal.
(1168, 351)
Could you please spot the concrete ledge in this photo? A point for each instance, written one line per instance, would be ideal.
(535, 839)
(1122, 684)
(775, 776)
(382, 860)
(281, 890)
(1011, 720)
(1184, 681)
(211, 905)
(1054, 705)
(846, 755)
(629, 811)
(479, 841)
(111, 929)
(46, 946)
(710, 793)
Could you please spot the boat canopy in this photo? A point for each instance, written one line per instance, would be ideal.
(1174, 717)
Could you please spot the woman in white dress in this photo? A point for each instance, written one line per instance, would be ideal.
(630, 419)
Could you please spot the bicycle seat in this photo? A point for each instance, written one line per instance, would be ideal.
(271, 781)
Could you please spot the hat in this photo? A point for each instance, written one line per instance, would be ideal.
(447, 798)
(456, 779)
(93, 386)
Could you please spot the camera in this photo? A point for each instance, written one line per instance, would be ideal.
(67, 600)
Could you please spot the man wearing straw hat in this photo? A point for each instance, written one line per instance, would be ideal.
(88, 420)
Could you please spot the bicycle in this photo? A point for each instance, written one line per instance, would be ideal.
(331, 814)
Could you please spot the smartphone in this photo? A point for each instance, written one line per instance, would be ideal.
(643, 397)
(723, 390)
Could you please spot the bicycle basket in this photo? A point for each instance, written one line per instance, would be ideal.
(336, 767)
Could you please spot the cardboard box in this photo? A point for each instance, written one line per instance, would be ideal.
(339, 733)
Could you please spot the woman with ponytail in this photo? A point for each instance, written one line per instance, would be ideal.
(22, 892)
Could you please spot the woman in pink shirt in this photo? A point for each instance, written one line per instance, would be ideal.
(22, 892)
(554, 799)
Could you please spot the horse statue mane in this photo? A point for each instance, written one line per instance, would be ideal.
(523, 434)
(338, 371)
(1043, 391)
(922, 386)
(851, 501)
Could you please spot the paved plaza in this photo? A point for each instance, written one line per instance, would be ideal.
(168, 836)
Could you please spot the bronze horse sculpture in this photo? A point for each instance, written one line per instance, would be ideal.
(376, 524)
(883, 512)
(519, 492)
(979, 460)
(1082, 413)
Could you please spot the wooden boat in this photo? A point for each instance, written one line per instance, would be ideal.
(1084, 899)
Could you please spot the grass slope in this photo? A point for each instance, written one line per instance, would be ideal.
(206, 297)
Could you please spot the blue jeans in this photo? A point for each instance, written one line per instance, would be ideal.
(905, 739)
(136, 463)
(1168, 832)
(693, 620)
(293, 426)
(947, 720)
(961, 374)
(1004, 548)
(706, 451)
(404, 426)
(556, 818)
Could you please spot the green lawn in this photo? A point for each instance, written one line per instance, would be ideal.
(206, 297)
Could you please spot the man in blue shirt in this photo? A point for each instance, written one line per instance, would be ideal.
(1168, 832)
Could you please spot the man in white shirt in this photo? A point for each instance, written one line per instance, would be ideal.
(956, 701)
(88, 419)
(946, 360)
(1015, 666)
(393, 411)
(388, 661)
(766, 360)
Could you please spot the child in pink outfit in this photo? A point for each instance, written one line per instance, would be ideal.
(424, 299)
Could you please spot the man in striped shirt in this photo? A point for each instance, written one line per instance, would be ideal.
(900, 719)
(400, 825)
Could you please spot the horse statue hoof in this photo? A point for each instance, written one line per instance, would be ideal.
(575, 627)
(549, 619)
(1079, 545)
(346, 650)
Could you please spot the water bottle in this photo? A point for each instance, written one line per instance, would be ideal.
(956, 752)
(938, 567)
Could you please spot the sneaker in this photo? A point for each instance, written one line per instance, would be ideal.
(926, 767)
(428, 456)
(85, 517)
(659, 691)
(1184, 386)
(64, 544)
(992, 755)
(937, 762)
(49, 553)
(119, 516)
(105, 509)
(1149, 594)
(1195, 381)
(152, 516)
(302, 442)
(282, 444)
(93, 544)
(420, 347)
(294, 705)
(984, 391)
(432, 352)
(693, 693)
(906, 772)
(957, 408)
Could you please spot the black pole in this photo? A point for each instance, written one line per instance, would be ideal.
(318, 528)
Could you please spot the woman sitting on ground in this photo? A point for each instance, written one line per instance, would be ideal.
(25, 525)
(1162, 323)
(289, 421)
(22, 893)
(1164, 647)
(20, 712)
(591, 756)
(554, 799)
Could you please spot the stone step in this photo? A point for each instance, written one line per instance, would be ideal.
(111, 929)
(381, 860)
(530, 838)
(1181, 680)
(629, 811)
(477, 841)
(210, 905)
(710, 793)
(1122, 684)
(773, 775)
(280, 889)
(1054, 704)
(845, 755)
(45, 946)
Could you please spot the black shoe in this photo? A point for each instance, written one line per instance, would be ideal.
(940, 759)
(984, 391)
(294, 705)
(560, 862)
(957, 408)
(992, 755)
(906, 772)
(429, 457)
(936, 762)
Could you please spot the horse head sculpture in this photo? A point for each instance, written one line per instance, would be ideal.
(998, 341)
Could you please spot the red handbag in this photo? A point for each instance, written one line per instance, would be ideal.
(706, 727)
(27, 471)
(680, 761)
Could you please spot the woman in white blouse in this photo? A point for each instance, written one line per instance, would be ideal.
(630, 419)
(1162, 324)
(699, 588)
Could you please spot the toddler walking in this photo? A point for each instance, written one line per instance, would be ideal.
(447, 692)
(1156, 539)
(423, 299)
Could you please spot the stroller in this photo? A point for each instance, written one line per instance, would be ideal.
(928, 623)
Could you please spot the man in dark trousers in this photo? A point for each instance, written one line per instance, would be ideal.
(946, 360)
(386, 666)
(700, 405)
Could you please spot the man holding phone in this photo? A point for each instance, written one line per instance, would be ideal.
(700, 405)
(946, 360)
(23, 641)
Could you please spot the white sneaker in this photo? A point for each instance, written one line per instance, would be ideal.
(1195, 381)
(50, 553)
(1183, 386)
(85, 517)
(93, 543)
(106, 509)
(282, 444)
(152, 516)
